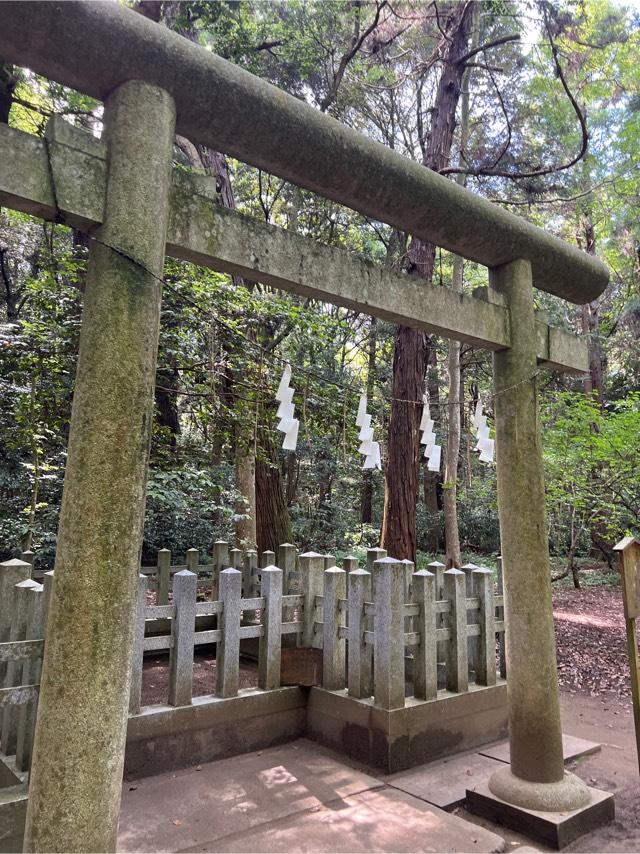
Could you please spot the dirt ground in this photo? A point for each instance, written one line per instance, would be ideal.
(591, 643)
(155, 677)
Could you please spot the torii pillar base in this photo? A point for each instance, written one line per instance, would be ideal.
(552, 826)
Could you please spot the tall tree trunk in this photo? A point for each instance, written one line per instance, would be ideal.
(454, 408)
(411, 347)
(167, 414)
(273, 521)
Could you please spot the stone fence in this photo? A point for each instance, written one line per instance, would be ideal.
(384, 633)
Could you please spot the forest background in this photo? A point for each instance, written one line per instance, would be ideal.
(535, 106)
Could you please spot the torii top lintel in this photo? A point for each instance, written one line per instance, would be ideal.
(95, 46)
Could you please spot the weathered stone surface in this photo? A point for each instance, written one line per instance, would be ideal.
(394, 740)
(555, 827)
(298, 797)
(221, 105)
(572, 748)
(534, 711)
(228, 650)
(445, 783)
(269, 655)
(388, 627)
(79, 746)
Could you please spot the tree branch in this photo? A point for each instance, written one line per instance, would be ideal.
(487, 45)
(548, 170)
(357, 41)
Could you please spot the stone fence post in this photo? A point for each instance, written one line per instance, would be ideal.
(235, 559)
(388, 627)
(228, 649)
(502, 655)
(249, 567)
(333, 645)
(31, 668)
(287, 559)
(485, 652)
(359, 662)
(270, 649)
(220, 560)
(192, 560)
(13, 673)
(312, 581)
(455, 591)
(425, 664)
(163, 579)
(185, 584)
(12, 572)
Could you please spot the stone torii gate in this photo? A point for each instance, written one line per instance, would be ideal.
(121, 190)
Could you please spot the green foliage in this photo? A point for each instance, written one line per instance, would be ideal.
(591, 459)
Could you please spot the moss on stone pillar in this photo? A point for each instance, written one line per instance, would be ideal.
(79, 748)
(534, 710)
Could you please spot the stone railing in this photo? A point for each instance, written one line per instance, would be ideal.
(382, 633)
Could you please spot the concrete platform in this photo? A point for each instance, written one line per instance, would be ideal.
(573, 748)
(445, 783)
(296, 797)
(555, 829)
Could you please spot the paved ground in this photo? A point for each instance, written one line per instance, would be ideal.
(297, 797)
(302, 798)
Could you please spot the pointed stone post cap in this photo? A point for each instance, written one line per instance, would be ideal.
(271, 568)
(28, 584)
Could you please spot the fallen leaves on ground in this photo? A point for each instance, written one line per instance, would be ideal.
(591, 642)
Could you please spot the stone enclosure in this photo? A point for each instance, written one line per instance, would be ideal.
(387, 639)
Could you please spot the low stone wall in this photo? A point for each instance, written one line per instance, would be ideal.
(163, 738)
(394, 740)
